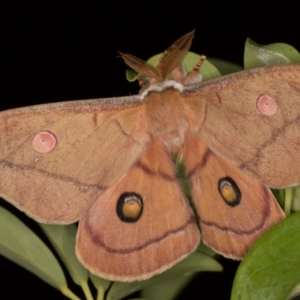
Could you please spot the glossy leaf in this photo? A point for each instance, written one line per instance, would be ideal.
(19, 244)
(271, 269)
(261, 55)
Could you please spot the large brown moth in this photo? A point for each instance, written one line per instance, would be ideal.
(107, 163)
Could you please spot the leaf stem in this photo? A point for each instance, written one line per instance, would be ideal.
(288, 201)
(86, 290)
(68, 293)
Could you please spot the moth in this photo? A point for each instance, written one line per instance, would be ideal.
(108, 163)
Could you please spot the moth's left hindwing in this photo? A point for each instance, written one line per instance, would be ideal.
(140, 226)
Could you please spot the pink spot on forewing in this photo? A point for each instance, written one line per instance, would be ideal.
(44, 142)
(266, 105)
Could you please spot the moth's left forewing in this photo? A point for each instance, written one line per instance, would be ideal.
(95, 142)
(236, 126)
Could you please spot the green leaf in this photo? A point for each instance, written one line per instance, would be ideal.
(63, 239)
(279, 53)
(131, 75)
(202, 248)
(207, 70)
(174, 283)
(196, 262)
(168, 288)
(19, 244)
(224, 66)
(271, 269)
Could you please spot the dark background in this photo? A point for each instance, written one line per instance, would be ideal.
(57, 53)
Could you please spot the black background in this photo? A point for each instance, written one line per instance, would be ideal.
(57, 53)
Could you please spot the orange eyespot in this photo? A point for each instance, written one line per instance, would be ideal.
(129, 207)
(229, 191)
